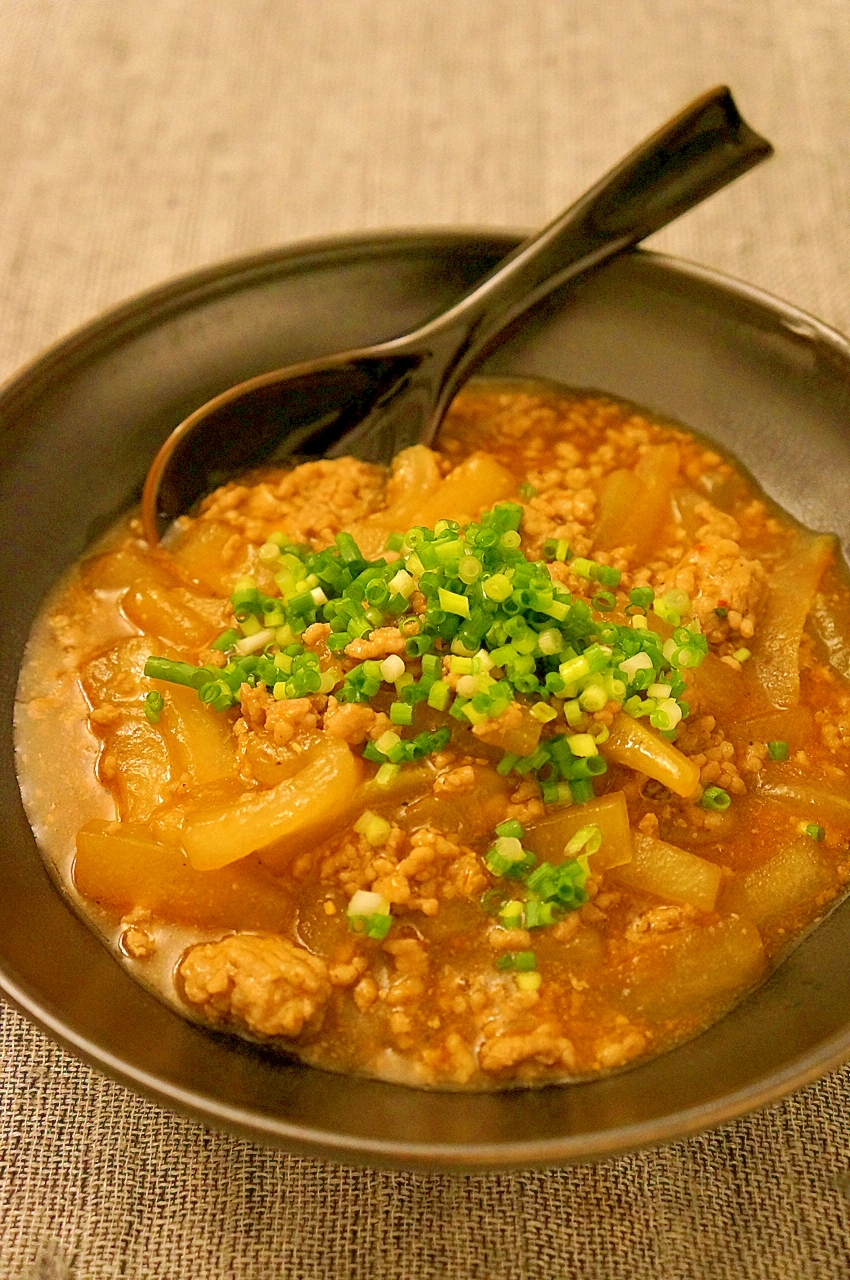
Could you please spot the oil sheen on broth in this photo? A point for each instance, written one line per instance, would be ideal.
(516, 765)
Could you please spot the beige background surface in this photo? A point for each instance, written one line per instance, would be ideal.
(142, 139)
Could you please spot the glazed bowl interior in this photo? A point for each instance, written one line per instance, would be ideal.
(80, 427)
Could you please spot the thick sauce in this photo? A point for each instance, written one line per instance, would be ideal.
(677, 812)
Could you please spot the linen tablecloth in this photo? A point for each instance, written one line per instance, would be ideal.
(143, 138)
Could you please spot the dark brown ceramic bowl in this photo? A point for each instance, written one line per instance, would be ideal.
(79, 428)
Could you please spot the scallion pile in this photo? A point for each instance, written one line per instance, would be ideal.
(489, 628)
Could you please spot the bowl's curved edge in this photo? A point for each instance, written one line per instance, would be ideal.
(800, 322)
(144, 308)
(423, 1156)
(140, 312)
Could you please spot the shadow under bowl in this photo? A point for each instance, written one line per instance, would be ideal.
(79, 427)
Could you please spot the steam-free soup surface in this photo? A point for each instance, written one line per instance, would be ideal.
(516, 764)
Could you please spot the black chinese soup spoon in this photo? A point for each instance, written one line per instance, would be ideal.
(376, 400)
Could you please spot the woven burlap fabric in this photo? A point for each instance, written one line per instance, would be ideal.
(141, 138)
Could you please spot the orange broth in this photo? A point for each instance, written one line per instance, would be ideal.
(151, 827)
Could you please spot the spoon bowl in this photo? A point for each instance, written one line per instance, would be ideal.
(374, 401)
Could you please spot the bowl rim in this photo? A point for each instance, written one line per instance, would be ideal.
(143, 310)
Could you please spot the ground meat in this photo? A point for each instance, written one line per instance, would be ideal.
(254, 704)
(618, 1050)
(282, 720)
(715, 574)
(315, 636)
(509, 939)
(380, 644)
(311, 503)
(349, 721)
(136, 941)
(456, 782)
(545, 1045)
(453, 1059)
(659, 920)
(273, 986)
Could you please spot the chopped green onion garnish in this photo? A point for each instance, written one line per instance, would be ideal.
(641, 596)
(374, 828)
(511, 632)
(369, 914)
(227, 640)
(777, 750)
(587, 840)
(517, 961)
(715, 798)
(511, 828)
(153, 706)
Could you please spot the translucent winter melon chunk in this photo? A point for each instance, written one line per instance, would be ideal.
(788, 880)
(549, 836)
(791, 590)
(634, 506)
(829, 804)
(305, 807)
(467, 816)
(417, 495)
(137, 766)
(695, 973)
(174, 614)
(633, 744)
(199, 740)
(213, 555)
(671, 873)
(124, 866)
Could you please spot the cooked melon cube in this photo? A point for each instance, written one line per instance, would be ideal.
(123, 867)
(796, 726)
(830, 621)
(475, 484)
(415, 472)
(469, 815)
(696, 971)
(549, 836)
(305, 807)
(200, 553)
(817, 804)
(633, 744)
(172, 614)
(199, 740)
(136, 763)
(516, 730)
(118, 675)
(413, 780)
(112, 570)
(635, 506)
(788, 880)
(671, 873)
(791, 591)
(732, 695)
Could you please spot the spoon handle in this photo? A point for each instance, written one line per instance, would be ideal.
(693, 155)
